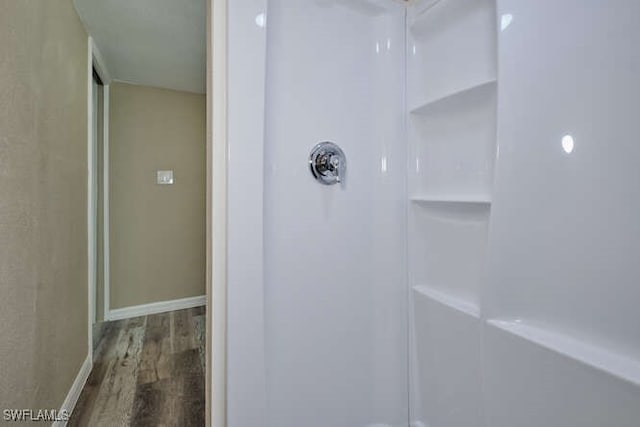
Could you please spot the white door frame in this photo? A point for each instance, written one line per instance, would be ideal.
(94, 60)
(236, 92)
(106, 262)
(217, 151)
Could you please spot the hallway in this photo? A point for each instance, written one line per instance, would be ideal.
(147, 371)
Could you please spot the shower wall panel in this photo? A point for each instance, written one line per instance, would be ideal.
(334, 255)
(562, 341)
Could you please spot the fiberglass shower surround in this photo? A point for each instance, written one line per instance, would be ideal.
(442, 283)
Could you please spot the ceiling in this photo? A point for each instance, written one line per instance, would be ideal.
(160, 43)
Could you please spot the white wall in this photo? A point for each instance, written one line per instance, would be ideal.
(335, 300)
(562, 344)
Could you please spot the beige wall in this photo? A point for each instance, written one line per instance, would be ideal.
(43, 202)
(157, 241)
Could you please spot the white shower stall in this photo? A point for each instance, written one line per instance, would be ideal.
(478, 264)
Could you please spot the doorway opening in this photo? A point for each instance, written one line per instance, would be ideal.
(146, 213)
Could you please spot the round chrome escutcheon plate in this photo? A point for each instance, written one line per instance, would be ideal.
(327, 163)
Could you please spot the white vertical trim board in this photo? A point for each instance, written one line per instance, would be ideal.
(91, 202)
(218, 158)
(94, 196)
(100, 65)
(208, 214)
(95, 60)
(106, 259)
(76, 388)
(157, 307)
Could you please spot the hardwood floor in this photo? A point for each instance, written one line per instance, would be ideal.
(147, 371)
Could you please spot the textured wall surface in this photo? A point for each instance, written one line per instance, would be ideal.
(157, 231)
(43, 201)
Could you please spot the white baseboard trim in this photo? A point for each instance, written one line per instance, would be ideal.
(156, 307)
(74, 392)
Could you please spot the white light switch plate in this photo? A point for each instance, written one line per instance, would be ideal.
(165, 177)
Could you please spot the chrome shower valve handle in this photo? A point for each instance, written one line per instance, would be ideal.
(336, 166)
(327, 163)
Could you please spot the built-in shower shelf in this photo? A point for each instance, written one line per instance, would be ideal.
(600, 358)
(474, 200)
(449, 300)
(451, 97)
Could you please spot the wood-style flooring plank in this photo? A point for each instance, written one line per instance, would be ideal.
(148, 371)
(114, 402)
(177, 400)
(191, 403)
(154, 404)
(199, 330)
(182, 331)
(155, 360)
(111, 333)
